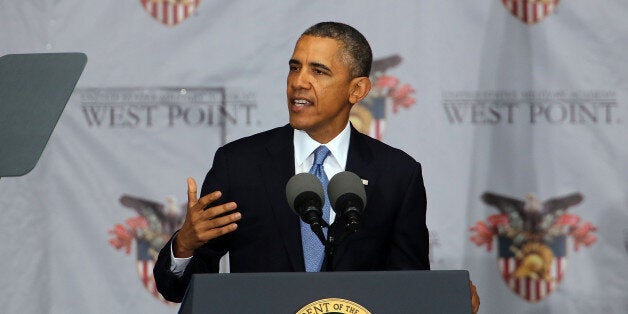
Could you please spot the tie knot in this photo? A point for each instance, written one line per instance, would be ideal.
(320, 154)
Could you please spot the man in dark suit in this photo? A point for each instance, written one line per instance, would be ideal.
(243, 209)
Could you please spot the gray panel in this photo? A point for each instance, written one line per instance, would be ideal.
(34, 89)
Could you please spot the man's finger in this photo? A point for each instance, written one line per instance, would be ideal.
(208, 199)
(191, 192)
(220, 222)
(215, 211)
(216, 232)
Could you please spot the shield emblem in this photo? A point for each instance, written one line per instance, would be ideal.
(532, 269)
(145, 263)
(370, 115)
(170, 12)
(530, 11)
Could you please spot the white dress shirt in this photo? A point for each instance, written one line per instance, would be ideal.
(304, 147)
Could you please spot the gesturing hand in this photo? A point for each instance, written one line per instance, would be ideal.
(475, 298)
(202, 225)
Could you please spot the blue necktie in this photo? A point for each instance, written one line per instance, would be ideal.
(313, 249)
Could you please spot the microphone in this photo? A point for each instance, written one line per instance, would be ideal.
(305, 195)
(348, 198)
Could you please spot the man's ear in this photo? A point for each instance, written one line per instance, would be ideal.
(360, 87)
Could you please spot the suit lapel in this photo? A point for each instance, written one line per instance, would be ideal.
(280, 150)
(359, 158)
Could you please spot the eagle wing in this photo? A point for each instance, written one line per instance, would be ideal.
(552, 205)
(383, 64)
(506, 205)
(151, 210)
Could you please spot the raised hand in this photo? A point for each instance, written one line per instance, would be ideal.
(202, 225)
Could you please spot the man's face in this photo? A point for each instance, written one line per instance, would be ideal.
(319, 88)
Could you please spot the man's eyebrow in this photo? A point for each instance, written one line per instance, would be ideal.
(320, 65)
(312, 64)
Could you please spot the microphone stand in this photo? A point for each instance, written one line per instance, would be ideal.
(330, 247)
(329, 253)
(317, 228)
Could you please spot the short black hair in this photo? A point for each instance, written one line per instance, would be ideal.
(357, 48)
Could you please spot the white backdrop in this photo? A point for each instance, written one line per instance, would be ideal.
(485, 101)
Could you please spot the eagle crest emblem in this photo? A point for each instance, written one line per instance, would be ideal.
(532, 240)
(150, 230)
(369, 115)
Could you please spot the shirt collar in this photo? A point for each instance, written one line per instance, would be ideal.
(304, 145)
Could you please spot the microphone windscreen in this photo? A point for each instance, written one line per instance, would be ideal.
(345, 183)
(303, 183)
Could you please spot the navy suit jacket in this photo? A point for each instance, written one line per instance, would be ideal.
(254, 171)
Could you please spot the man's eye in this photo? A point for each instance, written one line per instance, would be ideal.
(320, 72)
(294, 68)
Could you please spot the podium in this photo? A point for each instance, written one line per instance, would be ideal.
(436, 291)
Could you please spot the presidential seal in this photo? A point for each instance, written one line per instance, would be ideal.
(333, 306)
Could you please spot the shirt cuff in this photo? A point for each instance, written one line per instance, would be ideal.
(178, 265)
